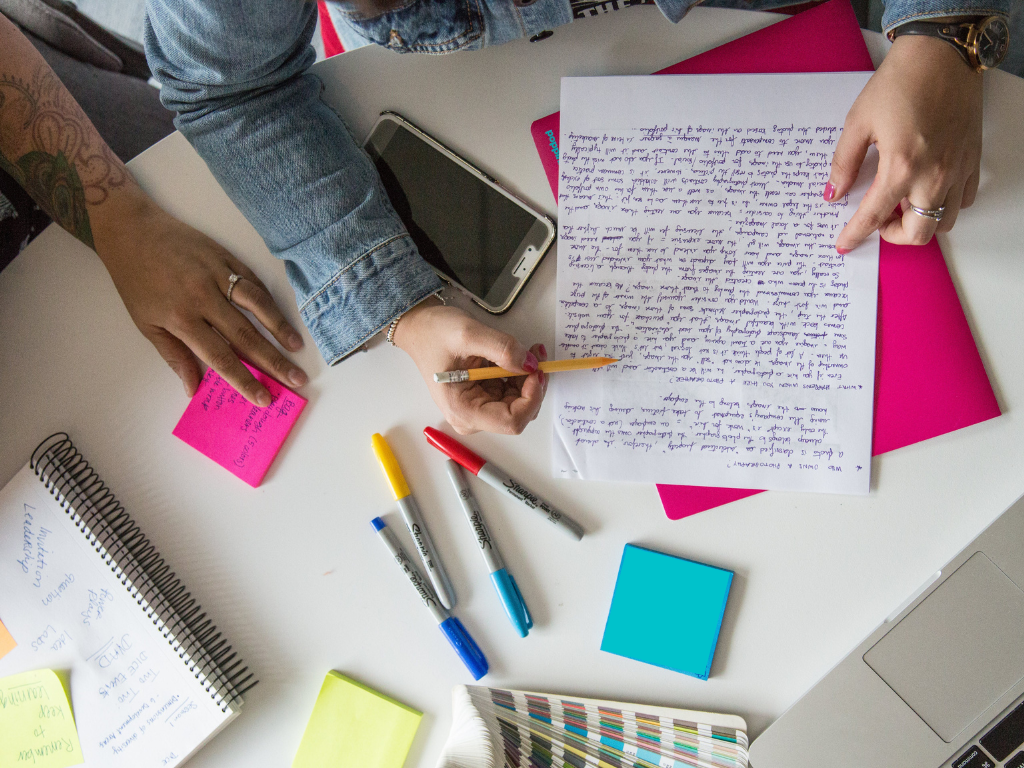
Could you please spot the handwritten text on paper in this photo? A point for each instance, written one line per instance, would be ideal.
(702, 256)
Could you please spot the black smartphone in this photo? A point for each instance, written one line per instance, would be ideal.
(476, 235)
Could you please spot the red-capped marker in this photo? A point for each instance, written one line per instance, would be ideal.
(501, 480)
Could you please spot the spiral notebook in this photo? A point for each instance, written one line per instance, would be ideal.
(86, 594)
(496, 728)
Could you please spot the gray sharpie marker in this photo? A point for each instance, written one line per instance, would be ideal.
(414, 522)
(501, 480)
(452, 628)
(504, 583)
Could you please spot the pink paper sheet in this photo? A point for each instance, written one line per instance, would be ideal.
(929, 377)
(241, 437)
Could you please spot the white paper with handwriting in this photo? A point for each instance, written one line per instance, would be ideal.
(135, 703)
(694, 244)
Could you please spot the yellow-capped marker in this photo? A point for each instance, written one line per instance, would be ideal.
(414, 521)
(389, 464)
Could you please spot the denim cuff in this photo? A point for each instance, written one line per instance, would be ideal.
(901, 11)
(365, 296)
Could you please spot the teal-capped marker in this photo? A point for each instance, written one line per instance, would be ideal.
(505, 584)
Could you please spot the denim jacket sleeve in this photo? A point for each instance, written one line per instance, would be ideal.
(901, 11)
(236, 75)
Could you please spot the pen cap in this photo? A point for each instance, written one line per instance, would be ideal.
(465, 646)
(512, 601)
(453, 449)
(389, 464)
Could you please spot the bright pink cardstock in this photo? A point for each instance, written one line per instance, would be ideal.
(929, 377)
(241, 437)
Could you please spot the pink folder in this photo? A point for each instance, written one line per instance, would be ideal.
(929, 378)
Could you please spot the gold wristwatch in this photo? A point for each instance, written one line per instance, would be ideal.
(981, 41)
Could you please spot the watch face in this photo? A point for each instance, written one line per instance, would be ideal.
(992, 42)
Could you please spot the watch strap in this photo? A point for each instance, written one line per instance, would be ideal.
(953, 32)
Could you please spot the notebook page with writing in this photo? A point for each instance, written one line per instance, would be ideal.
(143, 693)
(694, 244)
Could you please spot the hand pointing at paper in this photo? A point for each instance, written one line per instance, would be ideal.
(922, 110)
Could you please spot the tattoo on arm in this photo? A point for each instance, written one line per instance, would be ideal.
(52, 149)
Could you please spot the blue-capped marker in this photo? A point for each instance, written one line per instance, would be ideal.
(508, 591)
(457, 635)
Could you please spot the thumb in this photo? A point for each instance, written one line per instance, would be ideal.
(501, 348)
(846, 162)
(179, 357)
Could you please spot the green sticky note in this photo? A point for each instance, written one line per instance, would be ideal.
(666, 611)
(353, 726)
(37, 726)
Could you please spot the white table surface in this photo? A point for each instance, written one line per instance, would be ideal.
(292, 571)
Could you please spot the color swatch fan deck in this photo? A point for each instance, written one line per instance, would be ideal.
(495, 728)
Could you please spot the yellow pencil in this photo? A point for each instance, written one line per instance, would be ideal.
(549, 366)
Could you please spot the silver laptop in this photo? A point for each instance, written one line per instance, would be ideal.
(940, 684)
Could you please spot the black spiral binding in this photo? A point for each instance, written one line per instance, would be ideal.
(95, 511)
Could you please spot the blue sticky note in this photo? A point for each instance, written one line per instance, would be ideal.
(666, 611)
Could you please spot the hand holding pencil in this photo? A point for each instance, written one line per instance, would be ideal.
(496, 372)
(440, 338)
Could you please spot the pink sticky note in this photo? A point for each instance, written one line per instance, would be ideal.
(929, 376)
(241, 437)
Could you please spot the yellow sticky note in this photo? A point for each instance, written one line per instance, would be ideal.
(7, 643)
(353, 726)
(37, 726)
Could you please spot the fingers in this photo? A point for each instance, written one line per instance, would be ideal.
(240, 268)
(971, 189)
(213, 350)
(541, 353)
(526, 407)
(510, 415)
(250, 294)
(874, 211)
(952, 205)
(498, 347)
(910, 228)
(179, 357)
(251, 344)
(501, 407)
(846, 161)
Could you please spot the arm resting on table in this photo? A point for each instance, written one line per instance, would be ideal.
(236, 75)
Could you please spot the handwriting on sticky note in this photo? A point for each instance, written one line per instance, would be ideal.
(698, 250)
(241, 437)
(37, 727)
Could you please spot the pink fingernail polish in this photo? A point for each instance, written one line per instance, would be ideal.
(543, 350)
(842, 251)
(530, 364)
(829, 191)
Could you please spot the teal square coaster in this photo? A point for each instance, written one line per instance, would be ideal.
(666, 611)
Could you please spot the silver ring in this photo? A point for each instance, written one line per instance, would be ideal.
(231, 285)
(934, 215)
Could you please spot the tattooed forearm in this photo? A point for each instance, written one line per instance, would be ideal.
(54, 184)
(51, 148)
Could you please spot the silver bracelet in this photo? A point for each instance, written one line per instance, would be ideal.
(391, 331)
(394, 323)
